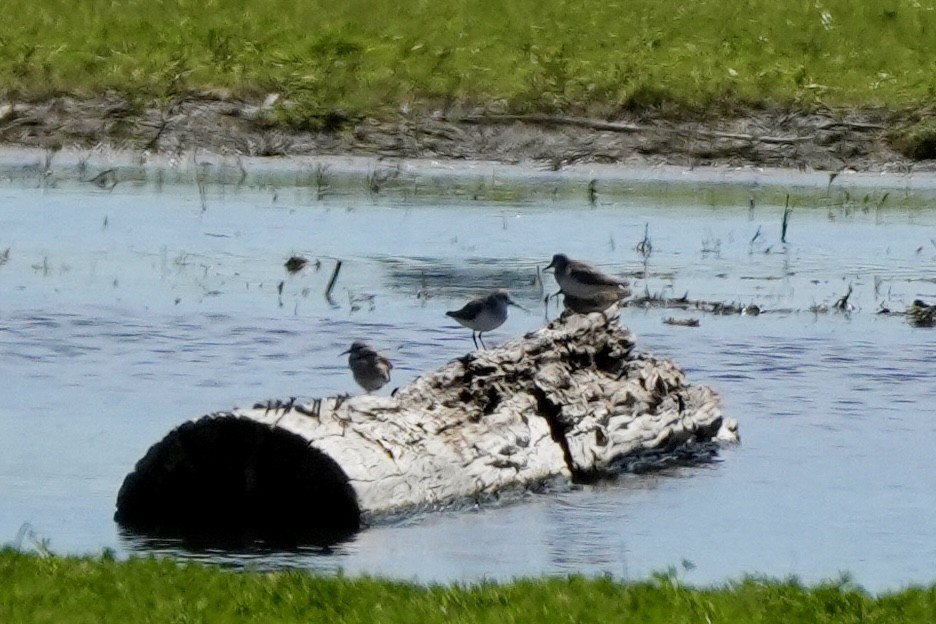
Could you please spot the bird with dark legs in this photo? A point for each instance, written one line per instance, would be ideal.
(484, 314)
(371, 369)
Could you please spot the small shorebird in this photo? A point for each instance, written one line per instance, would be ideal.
(484, 313)
(596, 304)
(371, 370)
(583, 281)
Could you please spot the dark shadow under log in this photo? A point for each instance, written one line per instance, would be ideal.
(573, 402)
(222, 478)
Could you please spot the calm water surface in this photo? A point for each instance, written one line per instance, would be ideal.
(126, 312)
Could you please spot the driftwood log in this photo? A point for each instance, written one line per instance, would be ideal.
(573, 401)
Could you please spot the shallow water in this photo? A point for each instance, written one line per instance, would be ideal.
(125, 312)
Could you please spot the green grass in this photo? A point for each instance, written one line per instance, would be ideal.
(370, 57)
(62, 590)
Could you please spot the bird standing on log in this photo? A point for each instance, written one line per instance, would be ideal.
(485, 313)
(371, 369)
(583, 281)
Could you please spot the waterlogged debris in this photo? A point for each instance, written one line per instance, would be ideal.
(685, 303)
(296, 264)
(842, 304)
(921, 314)
(689, 322)
(4, 256)
(729, 309)
(106, 180)
(886, 311)
(357, 301)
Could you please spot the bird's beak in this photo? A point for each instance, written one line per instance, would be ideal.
(516, 305)
(345, 352)
(551, 265)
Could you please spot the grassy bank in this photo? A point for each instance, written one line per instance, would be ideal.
(371, 57)
(71, 590)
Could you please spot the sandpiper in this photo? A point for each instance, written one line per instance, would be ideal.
(597, 304)
(371, 370)
(583, 281)
(484, 313)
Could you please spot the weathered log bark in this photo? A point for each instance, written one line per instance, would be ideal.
(572, 401)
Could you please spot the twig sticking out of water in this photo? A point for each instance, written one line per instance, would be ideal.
(711, 246)
(786, 219)
(203, 195)
(645, 247)
(538, 280)
(592, 192)
(50, 153)
(376, 179)
(201, 180)
(243, 172)
(754, 238)
(842, 303)
(4, 256)
(832, 176)
(331, 283)
(320, 176)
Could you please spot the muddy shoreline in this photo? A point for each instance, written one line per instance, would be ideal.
(829, 140)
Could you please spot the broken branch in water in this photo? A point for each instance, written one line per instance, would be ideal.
(842, 303)
(331, 282)
(786, 218)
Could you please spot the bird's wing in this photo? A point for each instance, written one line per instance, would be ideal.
(593, 277)
(469, 310)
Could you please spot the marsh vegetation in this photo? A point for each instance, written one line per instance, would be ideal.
(317, 66)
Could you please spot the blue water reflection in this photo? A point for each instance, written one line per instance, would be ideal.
(125, 313)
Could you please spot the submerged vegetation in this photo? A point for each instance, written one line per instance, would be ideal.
(44, 588)
(334, 60)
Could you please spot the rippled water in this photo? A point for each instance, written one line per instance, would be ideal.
(125, 312)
